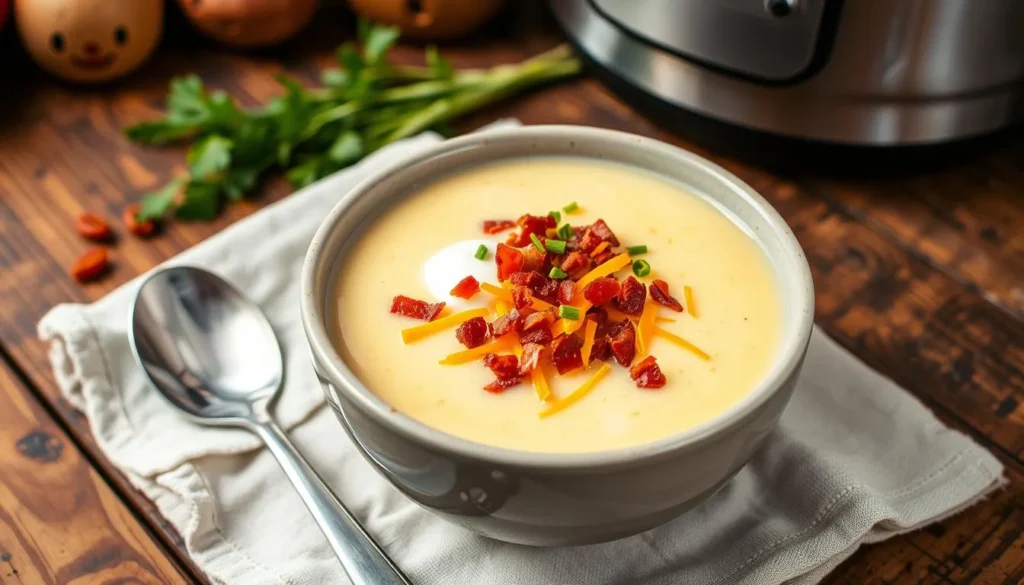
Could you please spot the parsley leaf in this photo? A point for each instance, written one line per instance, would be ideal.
(200, 202)
(154, 205)
(377, 40)
(347, 149)
(209, 157)
(440, 67)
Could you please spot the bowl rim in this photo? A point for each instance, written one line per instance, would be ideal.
(793, 346)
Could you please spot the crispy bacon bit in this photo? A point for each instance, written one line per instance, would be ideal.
(530, 224)
(623, 344)
(507, 322)
(588, 241)
(566, 291)
(496, 226)
(604, 257)
(597, 314)
(565, 353)
(601, 291)
(466, 288)
(538, 319)
(509, 261)
(499, 386)
(602, 350)
(505, 367)
(659, 292)
(403, 305)
(575, 263)
(647, 374)
(542, 286)
(522, 297)
(530, 359)
(534, 259)
(601, 230)
(473, 333)
(631, 297)
(541, 335)
(609, 328)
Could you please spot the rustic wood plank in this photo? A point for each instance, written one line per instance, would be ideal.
(59, 520)
(910, 301)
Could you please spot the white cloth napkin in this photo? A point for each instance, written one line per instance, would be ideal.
(855, 459)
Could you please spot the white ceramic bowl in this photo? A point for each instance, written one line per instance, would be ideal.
(545, 498)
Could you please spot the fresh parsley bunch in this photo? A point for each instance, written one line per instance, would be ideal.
(310, 133)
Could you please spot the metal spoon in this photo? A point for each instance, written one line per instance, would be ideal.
(212, 353)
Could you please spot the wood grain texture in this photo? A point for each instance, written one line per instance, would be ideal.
(59, 520)
(918, 273)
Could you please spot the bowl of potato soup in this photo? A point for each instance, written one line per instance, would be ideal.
(556, 335)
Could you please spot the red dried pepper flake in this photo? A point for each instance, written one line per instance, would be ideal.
(603, 257)
(507, 322)
(589, 240)
(541, 335)
(538, 319)
(473, 333)
(409, 307)
(90, 265)
(509, 261)
(130, 217)
(647, 374)
(575, 263)
(466, 288)
(566, 291)
(505, 367)
(601, 350)
(93, 227)
(659, 292)
(522, 297)
(496, 226)
(601, 291)
(631, 297)
(624, 344)
(499, 386)
(601, 230)
(530, 359)
(565, 353)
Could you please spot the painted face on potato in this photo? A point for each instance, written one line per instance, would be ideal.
(249, 23)
(89, 40)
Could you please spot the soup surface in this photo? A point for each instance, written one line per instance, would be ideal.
(424, 245)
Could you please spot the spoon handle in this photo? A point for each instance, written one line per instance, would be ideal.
(363, 560)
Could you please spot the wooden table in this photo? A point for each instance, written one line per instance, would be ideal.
(919, 273)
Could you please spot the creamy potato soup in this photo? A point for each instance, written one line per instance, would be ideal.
(665, 284)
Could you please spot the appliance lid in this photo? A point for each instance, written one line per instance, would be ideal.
(768, 40)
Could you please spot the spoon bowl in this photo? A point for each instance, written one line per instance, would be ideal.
(213, 354)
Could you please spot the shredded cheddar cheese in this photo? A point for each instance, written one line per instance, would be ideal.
(612, 265)
(661, 319)
(683, 344)
(418, 332)
(540, 384)
(577, 394)
(645, 327)
(690, 305)
(461, 357)
(588, 341)
(600, 248)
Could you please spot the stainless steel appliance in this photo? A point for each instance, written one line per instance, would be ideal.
(860, 72)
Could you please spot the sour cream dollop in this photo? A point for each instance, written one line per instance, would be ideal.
(449, 265)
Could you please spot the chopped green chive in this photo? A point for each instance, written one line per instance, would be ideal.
(536, 242)
(565, 232)
(556, 215)
(481, 252)
(571, 207)
(557, 273)
(634, 250)
(641, 268)
(555, 246)
(567, 312)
